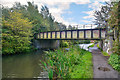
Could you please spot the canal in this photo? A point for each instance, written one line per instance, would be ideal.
(23, 65)
(26, 65)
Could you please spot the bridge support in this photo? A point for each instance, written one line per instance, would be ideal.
(107, 45)
(46, 44)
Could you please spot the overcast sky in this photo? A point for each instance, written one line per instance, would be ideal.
(66, 11)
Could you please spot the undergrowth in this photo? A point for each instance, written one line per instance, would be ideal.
(76, 63)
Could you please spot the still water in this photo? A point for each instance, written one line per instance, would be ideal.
(23, 65)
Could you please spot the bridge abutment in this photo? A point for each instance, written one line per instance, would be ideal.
(46, 44)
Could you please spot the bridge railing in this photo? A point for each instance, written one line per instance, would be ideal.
(81, 34)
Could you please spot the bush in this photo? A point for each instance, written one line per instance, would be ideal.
(114, 61)
(64, 44)
(16, 34)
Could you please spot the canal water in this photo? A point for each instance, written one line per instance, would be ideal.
(23, 65)
(26, 65)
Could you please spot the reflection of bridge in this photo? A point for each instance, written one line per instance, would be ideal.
(79, 34)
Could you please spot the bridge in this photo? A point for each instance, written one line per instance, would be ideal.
(78, 34)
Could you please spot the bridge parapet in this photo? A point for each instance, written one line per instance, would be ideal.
(79, 34)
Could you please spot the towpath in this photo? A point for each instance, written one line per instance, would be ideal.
(101, 68)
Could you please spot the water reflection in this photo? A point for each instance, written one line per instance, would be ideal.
(22, 65)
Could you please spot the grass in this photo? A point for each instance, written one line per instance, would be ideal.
(99, 47)
(76, 63)
(84, 69)
(91, 45)
(105, 53)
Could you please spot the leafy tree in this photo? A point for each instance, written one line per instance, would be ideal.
(16, 33)
(114, 23)
(69, 27)
(62, 26)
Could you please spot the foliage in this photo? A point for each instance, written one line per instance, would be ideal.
(64, 43)
(63, 64)
(99, 47)
(105, 53)
(109, 17)
(16, 33)
(84, 69)
(113, 22)
(21, 21)
(114, 60)
(91, 45)
(102, 15)
(116, 47)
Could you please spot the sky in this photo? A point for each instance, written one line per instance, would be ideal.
(69, 12)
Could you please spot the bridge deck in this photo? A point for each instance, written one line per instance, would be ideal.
(80, 34)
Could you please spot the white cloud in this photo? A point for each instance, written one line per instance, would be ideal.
(95, 6)
(86, 21)
(56, 7)
(90, 14)
(10, 3)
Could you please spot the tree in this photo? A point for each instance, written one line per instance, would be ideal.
(69, 27)
(102, 15)
(114, 23)
(16, 33)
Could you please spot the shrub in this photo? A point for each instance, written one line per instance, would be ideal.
(114, 61)
(16, 34)
(64, 44)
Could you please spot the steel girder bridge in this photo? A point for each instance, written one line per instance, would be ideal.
(79, 34)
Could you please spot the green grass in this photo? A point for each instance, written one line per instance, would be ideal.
(84, 69)
(99, 47)
(105, 53)
(91, 45)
